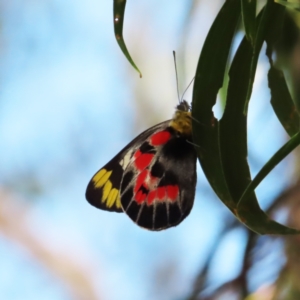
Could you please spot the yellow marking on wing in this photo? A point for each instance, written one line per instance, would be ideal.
(118, 201)
(106, 190)
(112, 197)
(101, 178)
(98, 175)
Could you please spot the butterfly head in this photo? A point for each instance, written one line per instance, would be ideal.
(182, 121)
(183, 106)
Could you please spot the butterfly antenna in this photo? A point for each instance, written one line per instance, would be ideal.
(174, 55)
(187, 88)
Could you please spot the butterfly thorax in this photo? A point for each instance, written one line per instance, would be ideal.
(182, 121)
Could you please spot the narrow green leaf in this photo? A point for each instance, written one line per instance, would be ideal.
(294, 4)
(281, 99)
(208, 81)
(282, 102)
(248, 16)
(206, 128)
(283, 152)
(269, 17)
(233, 125)
(119, 11)
(274, 27)
(255, 218)
(233, 134)
(259, 222)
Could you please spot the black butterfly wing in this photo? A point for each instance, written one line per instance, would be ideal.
(158, 185)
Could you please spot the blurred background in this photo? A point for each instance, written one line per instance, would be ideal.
(69, 101)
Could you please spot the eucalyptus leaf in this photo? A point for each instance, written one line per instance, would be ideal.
(248, 17)
(282, 102)
(118, 13)
(294, 4)
(208, 80)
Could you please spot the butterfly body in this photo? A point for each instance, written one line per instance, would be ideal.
(153, 178)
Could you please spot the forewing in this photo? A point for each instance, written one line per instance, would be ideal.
(158, 186)
(103, 191)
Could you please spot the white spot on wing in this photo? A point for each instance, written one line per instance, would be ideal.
(126, 159)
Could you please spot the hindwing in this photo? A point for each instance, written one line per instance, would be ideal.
(158, 184)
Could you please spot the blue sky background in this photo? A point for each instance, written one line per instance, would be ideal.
(69, 101)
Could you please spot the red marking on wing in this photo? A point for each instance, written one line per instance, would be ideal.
(140, 197)
(137, 154)
(142, 160)
(140, 180)
(161, 193)
(160, 138)
(172, 192)
(151, 197)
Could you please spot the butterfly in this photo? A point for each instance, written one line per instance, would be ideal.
(153, 179)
